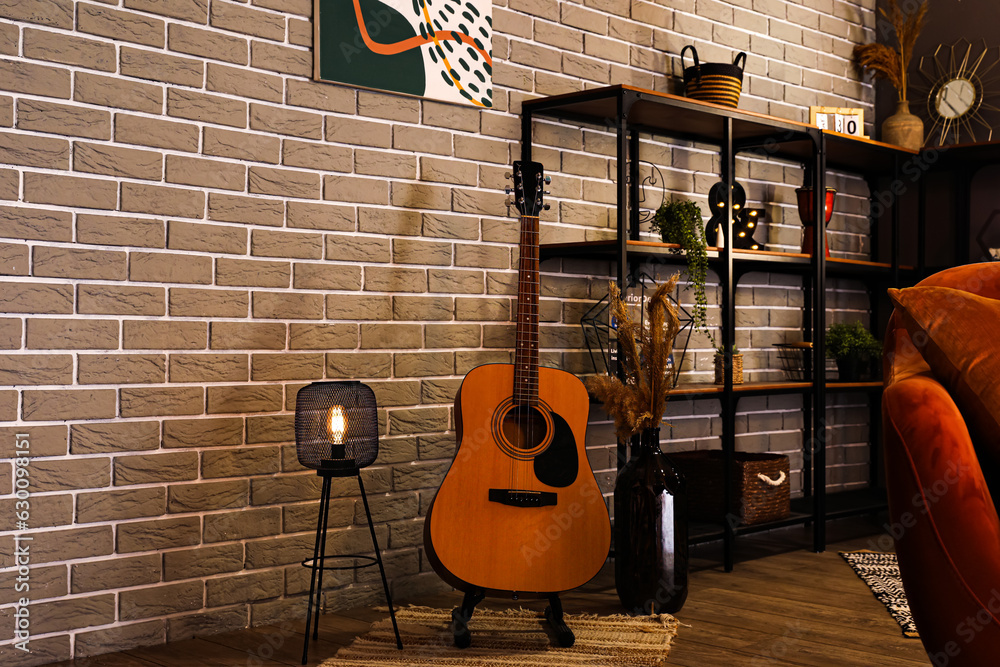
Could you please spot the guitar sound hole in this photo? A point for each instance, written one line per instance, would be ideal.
(524, 427)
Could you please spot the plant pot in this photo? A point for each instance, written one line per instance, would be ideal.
(903, 128)
(737, 369)
(852, 369)
(651, 530)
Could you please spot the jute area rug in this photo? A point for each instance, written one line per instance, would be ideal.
(881, 572)
(511, 638)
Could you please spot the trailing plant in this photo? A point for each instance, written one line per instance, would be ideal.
(850, 340)
(637, 401)
(681, 222)
(889, 62)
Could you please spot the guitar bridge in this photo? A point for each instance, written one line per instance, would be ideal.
(522, 498)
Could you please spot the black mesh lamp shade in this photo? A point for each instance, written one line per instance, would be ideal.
(336, 426)
(336, 434)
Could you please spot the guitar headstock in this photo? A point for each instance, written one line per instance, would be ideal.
(527, 190)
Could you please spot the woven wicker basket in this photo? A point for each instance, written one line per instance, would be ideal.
(737, 369)
(760, 486)
(720, 83)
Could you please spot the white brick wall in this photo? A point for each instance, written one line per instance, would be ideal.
(191, 230)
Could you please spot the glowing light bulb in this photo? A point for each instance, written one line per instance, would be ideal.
(336, 423)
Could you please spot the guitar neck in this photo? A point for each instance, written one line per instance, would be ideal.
(526, 340)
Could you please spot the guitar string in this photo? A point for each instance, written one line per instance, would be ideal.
(530, 336)
(526, 361)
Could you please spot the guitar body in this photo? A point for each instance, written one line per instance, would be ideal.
(519, 510)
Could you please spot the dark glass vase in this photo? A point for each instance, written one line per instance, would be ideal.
(651, 531)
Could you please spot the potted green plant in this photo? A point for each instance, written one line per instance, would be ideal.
(854, 347)
(681, 222)
(737, 365)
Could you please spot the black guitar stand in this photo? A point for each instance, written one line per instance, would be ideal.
(460, 617)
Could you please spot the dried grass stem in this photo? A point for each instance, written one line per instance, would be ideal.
(638, 399)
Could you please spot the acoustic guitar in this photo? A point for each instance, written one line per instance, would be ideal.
(519, 511)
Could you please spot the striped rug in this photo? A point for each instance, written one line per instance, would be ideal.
(511, 638)
(881, 572)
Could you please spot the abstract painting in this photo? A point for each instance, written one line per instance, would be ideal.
(440, 49)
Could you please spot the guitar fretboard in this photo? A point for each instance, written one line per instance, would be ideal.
(526, 340)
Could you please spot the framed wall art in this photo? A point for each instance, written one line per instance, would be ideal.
(439, 49)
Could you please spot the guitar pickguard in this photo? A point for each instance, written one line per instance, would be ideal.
(558, 465)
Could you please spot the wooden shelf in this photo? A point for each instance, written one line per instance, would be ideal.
(872, 385)
(747, 260)
(746, 388)
(839, 505)
(703, 388)
(697, 121)
(630, 113)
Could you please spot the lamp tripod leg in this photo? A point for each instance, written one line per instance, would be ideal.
(319, 551)
(381, 567)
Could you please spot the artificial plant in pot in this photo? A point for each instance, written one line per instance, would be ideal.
(854, 348)
(650, 529)
(681, 222)
(737, 370)
(890, 63)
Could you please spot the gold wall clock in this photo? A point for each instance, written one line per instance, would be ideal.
(962, 81)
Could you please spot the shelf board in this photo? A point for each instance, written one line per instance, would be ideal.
(865, 156)
(758, 388)
(768, 260)
(842, 504)
(703, 388)
(692, 120)
(873, 385)
(710, 389)
(839, 505)
(963, 155)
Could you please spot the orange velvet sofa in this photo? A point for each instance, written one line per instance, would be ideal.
(941, 424)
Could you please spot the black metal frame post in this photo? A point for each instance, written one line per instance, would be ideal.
(728, 338)
(817, 446)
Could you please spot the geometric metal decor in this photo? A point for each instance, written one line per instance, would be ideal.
(960, 82)
(597, 327)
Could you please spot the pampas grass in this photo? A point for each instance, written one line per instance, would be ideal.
(891, 63)
(638, 401)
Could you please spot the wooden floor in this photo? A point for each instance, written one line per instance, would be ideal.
(782, 605)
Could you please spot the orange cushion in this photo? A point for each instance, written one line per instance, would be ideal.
(958, 334)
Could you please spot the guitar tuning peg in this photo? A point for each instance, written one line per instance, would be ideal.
(546, 192)
(508, 203)
(546, 207)
(548, 180)
(507, 175)
(507, 190)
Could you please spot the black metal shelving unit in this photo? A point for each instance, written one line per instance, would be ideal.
(629, 112)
